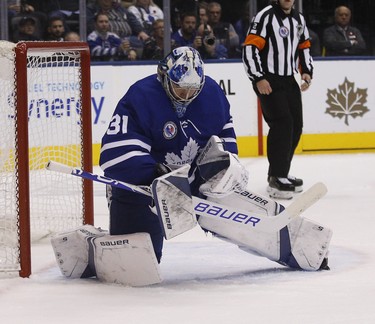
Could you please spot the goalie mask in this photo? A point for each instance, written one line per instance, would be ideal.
(182, 76)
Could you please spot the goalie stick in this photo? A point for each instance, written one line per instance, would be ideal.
(206, 208)
(63, 168)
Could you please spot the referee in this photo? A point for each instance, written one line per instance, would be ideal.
(277, 46)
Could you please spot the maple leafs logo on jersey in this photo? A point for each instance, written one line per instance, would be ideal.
(346, 101)
(188, 154)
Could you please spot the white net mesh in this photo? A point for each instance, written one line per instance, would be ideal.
(8, 186)
(55, 133)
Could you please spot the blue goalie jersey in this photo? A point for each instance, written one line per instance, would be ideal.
(145, 130)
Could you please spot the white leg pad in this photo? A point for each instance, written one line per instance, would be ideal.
(304, 244)
(71, 251)
(258, 243)
(126, 259)
(310, 242)
(250, 201)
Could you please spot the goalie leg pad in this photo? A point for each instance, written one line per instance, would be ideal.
(126, 259)
(254, 242)
(309, 244)
(303, 244)
(250, 201)
(71, 251)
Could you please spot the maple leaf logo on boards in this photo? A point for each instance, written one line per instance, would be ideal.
(346, 102)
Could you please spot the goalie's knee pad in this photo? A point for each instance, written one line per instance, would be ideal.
(71, 251)
(126, 259)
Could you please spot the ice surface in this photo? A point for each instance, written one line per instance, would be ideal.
(209, 281)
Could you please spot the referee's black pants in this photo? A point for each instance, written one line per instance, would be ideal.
(282, 110)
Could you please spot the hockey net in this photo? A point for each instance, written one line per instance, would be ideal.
(45, 114)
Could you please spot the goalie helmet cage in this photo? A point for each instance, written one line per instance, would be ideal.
(45, 114)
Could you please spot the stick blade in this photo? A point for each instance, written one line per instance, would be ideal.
(295, 209)
(307, 199)
(58, 167)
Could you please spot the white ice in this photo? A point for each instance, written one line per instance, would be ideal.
(209, 281)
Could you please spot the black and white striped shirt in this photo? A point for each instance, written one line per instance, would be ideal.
(277, 43)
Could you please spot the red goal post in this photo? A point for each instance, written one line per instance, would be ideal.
(45, 113)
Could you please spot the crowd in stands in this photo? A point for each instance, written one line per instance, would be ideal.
(134, 30)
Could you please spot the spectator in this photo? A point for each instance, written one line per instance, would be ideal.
(68, 11)
(27, 30)
(223, 31)
(121, 22)
(55, 29)
(315, 49)
(72, 37)
(209, 48)
(185, 35)
(154, 46)
(202, 39)
(341, 39)
(203, 12)
(18, 10)
(146, 12)
(105, 45)
(178, 7)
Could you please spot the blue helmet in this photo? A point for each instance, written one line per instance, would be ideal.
(181, 74)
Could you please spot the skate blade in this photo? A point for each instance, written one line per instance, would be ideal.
(277, 194)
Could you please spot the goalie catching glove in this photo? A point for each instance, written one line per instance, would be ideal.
(221, 170)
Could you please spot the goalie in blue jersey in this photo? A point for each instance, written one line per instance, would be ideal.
(178, 122)
(163, 121)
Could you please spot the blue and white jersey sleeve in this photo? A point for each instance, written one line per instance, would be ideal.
(125, 153)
